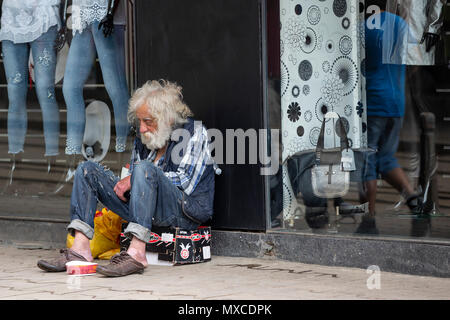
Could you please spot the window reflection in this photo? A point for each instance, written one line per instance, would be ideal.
(382, 67)
(62, 99)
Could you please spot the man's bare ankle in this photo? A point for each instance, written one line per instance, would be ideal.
(84, 253)
(138, 256)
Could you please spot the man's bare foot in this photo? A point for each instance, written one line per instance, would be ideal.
(82, 246)
(138, 256)
(137, 251)
(85, 253)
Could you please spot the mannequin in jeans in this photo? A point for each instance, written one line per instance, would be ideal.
(30, 26)
(93, 34)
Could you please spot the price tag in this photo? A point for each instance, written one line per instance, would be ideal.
(348, 160)
(206, 252)
(167, 237)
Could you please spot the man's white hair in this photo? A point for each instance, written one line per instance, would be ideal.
(164, 101)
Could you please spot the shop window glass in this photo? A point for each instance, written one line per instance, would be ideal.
(369, 76)
(59, 107)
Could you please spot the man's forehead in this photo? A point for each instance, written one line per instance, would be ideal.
(143, 112)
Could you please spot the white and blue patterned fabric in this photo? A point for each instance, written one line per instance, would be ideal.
(26, 20)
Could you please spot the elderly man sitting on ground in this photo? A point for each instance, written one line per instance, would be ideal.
(171, 183)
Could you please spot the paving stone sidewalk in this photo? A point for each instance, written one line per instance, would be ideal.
(227, 278)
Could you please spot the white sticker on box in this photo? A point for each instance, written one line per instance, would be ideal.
(167, 237)
(207, 252)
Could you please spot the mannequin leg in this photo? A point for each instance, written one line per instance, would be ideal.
(78, 67)
(15, 61)
(44, 56)
(115, 82)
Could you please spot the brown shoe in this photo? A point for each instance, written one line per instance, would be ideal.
(59, 264)
(121, 264)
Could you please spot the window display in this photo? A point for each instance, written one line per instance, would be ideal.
(321, 59)
(92, 29)
(30, 26)
(64, 90)
(357, 92)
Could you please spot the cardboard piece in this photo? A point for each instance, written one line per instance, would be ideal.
(175, 246)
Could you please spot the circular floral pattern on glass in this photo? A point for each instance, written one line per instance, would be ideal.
(306, 90)
(345, 69)
(345, 45)
(305, 70)
(310, 43)
(284, 78)
(294, 112)
(308, 116)
(314, 15)
(340, 8)
(326, 66)
(346, 23)
(332, 89)
(294, 33)
(338, 126)
(314, 135)
(329, 46)
(295, 91)
(322, 108)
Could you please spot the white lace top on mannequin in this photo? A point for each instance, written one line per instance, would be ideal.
(85, 12)
(26, 20)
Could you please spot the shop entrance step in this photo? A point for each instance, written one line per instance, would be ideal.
(45, 232)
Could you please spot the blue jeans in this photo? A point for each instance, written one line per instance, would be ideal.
(15, 60)
(154, 200)
(383, 135)
(80, 60)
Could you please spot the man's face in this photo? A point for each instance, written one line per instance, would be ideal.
(154, 133)
(147, 123)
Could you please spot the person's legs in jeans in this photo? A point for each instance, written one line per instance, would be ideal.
(154, 195)
(154, 200)
(388, 165)
(15, 61)
(92, 183)
(115, 81)
(375, 127)
(78, 67)
(44, 57)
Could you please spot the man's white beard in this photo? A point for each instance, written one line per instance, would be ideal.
(157, 140)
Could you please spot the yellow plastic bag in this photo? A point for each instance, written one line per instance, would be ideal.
(106, 240)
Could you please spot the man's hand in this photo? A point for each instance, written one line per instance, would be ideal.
(122, 187)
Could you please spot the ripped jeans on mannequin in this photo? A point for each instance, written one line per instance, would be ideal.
(83, 50)
(15, 60)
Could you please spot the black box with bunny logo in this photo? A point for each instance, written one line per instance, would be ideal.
(176, 245)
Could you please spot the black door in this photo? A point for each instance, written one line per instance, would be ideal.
(212, 48)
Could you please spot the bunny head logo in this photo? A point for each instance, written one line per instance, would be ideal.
(185, 251)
